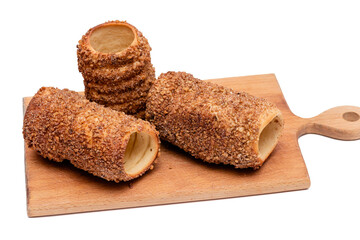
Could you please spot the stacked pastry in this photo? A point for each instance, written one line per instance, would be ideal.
(114, 59)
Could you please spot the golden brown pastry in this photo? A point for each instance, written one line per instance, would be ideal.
(119, 96)
(213, 123)
(113, 43)
(61, 124)
(122, 85)
(114, 59)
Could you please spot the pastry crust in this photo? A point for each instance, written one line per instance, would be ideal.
(213, 123)
(123, 84)
(113, 75)
(132, 107)
(140, 91)
(114, 59)
(88, 56)
(61, 124)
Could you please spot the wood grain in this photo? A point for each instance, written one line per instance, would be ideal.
(59, 188)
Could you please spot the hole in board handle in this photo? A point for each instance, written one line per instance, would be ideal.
(351, 116)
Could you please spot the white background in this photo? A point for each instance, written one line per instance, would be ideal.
(313, 47)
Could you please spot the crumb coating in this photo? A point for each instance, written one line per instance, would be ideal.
(61, 124)
(88, 57)
(211, 122)
(119, 96)
(116, 78)
(121, 85)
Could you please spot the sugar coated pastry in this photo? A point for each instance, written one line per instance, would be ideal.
(213, 123)
(61, 124)
(114, 59)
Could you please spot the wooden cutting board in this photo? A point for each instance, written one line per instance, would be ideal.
(59, 188)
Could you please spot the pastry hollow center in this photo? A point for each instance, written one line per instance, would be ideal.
(140, 151)
(269, 137)
(111, 39)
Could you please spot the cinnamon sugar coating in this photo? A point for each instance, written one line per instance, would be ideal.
(61, 124)
(133, 107)
(211, 122)
(140, 91)
(87, 56)
(119, 77)
(113, 75)
(121, 85)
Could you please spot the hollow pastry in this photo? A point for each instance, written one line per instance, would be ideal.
(213, 123)
(113, 43)
(61, 124)
(114, 60)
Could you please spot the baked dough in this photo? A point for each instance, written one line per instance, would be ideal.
(119, 96)
(114, 60)
(122, 85)
(61, 124)
(213, 123)
(113, 34)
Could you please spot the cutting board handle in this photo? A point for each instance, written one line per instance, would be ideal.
(340, 123)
